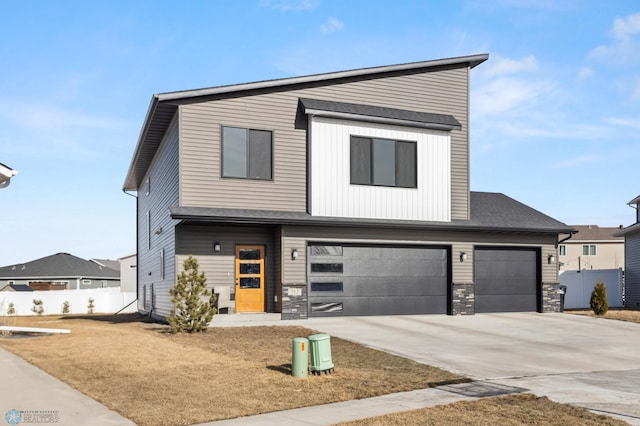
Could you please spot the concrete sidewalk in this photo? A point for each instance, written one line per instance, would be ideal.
(29, 395)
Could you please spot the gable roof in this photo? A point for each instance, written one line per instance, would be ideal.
(596, 233)
(377, 114)
(59, 265)
(489, 212)
(16, 287)
(164, 105)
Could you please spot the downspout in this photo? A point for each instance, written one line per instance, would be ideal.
(571, 234)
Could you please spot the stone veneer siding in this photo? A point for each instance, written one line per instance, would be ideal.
(463, 299)
(294, 301)
(550, 297)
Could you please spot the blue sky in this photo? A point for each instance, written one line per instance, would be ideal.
(555, 112)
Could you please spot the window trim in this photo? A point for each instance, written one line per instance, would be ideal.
(591, 250)
(371, 166)
(562, 250)
(247, 157)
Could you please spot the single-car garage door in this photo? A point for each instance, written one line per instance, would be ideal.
(506, 280)
(377, 280)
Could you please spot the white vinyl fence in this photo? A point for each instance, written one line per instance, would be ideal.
(580, 285)
(105, 300)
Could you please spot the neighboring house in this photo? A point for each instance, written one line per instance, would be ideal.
(6, 173)
(344, 193)
(128, 275)
(59, 272)
(631, 235)
(16, 287)
(592, 247)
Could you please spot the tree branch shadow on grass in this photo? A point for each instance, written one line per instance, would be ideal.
(283, 368)
(113, 318)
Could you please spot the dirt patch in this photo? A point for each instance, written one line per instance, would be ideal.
(614, 314)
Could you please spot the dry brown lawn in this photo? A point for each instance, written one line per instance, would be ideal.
(614, 314)
(522, 409)
(153, 377)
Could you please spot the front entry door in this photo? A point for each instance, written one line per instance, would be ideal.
(250, 279)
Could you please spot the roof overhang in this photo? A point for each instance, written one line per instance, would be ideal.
(263, 217)
(628, 230)
(6, 173)
(376, 114)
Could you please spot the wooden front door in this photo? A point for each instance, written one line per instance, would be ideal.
(250, 283)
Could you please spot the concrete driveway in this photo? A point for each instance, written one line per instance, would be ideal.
(589, 362)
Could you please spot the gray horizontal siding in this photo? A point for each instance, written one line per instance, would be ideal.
(163, 176)
(443, 92)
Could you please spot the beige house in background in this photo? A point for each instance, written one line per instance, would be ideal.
(592, 247)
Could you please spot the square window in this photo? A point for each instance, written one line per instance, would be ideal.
(383, 162)
(247, 153)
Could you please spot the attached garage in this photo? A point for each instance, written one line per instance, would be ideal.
(506, 279)
(377, 280)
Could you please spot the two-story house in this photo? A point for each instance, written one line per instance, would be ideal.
(345, 193)
(593, 247)
(631, 235)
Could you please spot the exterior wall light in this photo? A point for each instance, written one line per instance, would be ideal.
(463, 256)
(294, 254)
(216, 247)
(551, 259)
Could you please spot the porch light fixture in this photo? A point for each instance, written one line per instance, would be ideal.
(216, 247)
(551, 259)
(463, 256)
(294, 254)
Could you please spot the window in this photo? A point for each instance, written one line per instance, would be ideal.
(326, 267)
(246, 153)
(86, 282)
(337, 286)
(563, 250)
(589, 250)
(383, 162)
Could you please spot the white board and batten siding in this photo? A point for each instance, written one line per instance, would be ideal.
(333, 195)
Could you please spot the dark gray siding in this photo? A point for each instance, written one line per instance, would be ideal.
(219, 268)
(632, 270)
(158, 192)
(443, 91)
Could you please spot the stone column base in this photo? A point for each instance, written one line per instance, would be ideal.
(294, 301)
(463, 299)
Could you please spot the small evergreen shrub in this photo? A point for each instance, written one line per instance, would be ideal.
(66, 308)
(90, 306)
(11, 309)
(38, 307)
(194, 306)
(598, 301)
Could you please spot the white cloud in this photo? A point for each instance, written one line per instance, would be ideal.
(584, 74)
(633, 123)
(506, 95)
(580, 160)
(624, 46)
(289, 5)
(332, 25)
(506, 66)
(626, 27)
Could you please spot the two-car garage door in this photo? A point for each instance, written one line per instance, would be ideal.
(377, 280)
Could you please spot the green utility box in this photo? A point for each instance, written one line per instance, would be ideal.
(300, 357)
(321, 353)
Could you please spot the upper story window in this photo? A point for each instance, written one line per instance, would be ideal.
(563, 250)
(247, 153)
(383, 162)
(589, 250)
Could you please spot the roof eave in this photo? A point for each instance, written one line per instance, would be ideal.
(131, 182)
